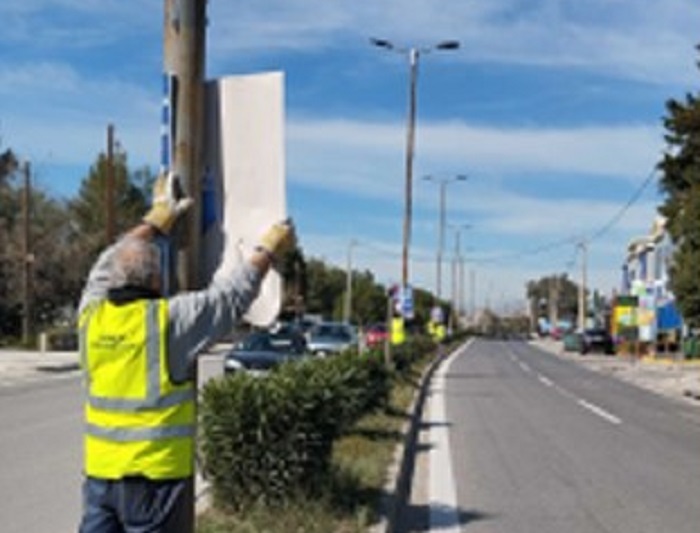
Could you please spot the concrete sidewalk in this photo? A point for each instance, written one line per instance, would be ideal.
(27, 365)
(672, 378)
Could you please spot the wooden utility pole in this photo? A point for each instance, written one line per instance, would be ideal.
(582, 287)
(109, 189)
(184, 59)
(27, 258)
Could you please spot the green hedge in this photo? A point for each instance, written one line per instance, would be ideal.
(270, 439)
(264, 439)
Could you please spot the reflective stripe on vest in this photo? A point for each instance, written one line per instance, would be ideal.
(130, 435)
(137, 421)
(153, 399)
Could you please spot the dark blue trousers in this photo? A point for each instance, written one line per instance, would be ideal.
(137, 505)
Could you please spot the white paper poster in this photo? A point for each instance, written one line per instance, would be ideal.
(244, 183)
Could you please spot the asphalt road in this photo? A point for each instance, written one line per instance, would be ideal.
(41, 447)
(541, 445)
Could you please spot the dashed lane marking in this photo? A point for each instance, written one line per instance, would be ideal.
(602, 413)
(591, 407)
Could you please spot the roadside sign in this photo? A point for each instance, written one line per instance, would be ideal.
(406, 302)
(436, 314)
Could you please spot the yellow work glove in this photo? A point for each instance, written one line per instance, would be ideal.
(169, 202)
(279, 239)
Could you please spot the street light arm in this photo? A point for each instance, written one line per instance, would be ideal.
(443, 45)
(381, 43)
(448, 45)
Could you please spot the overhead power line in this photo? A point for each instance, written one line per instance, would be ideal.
(575, 239)
(633, 199)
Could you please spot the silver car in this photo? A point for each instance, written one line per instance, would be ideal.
(330, 338)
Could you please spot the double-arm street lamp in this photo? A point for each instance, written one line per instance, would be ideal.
(442, 182)
(413, 54)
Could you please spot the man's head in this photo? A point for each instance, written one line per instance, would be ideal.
(136, 264)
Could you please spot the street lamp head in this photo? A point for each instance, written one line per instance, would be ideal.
(458, 177)
(458, 227)
(381, 43)
(447, 45)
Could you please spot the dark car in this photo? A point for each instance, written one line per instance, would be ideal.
(596, 340)
(260, 352)
(288, 337)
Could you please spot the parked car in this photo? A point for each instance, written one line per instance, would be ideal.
(375, 335)
(572, 341)
(329, 338)
(262, 351)
(287, 334)
(596, 340)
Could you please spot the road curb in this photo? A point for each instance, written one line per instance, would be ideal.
(398, 486)
(58, 367)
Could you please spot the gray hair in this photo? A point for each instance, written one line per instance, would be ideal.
(136, 263)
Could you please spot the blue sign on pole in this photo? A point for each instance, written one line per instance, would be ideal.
(407, 302)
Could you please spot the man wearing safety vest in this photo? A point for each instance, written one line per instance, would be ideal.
(138, 350)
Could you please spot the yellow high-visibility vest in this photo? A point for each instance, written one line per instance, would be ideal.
(137, 421)
(440, 332)
(398, 335)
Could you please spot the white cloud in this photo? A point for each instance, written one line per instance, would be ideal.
(50, 108)
(367, 157)
(648, 41)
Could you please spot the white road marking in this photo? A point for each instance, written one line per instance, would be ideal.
(564, 392)
(599, 411)
(444, 512)
(545, 380)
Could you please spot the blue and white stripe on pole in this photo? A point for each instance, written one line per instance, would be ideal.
(166, 124)
(167, 137)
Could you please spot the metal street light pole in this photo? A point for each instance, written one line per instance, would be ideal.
(443, 182)
(347, 310)
(413, 54)
(456, 288)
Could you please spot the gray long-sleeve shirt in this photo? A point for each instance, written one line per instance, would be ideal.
(196, 319)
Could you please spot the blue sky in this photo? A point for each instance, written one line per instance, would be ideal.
(553, 108)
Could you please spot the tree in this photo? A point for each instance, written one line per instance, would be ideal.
(88, 213)
(368, 299)
(680, 183)
(558, 291)
(9, 211)
(326, 285)
(293, 272)
(131, 192)
(53, 259)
